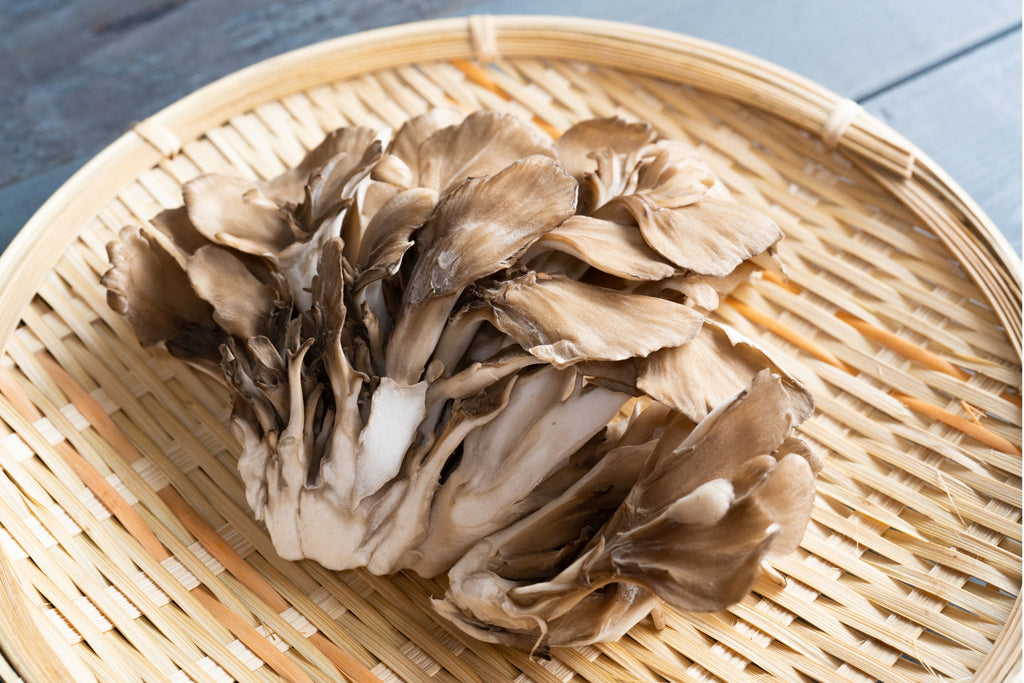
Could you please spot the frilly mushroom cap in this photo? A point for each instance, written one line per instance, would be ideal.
(477, 229)
(563, 321)
(577, 145)
(482, 144)
(405, 146)
(695, 377)
(610, 247)
(486, 223)
(182, 234)
(345, 144)
(147, 286)
(692, 529)
(235, 213)
(465, 348)
(714, 500)
(242, 305)
(675, 176)
(388, 234)
(709, 237)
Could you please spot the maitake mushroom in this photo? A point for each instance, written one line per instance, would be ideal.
(465, 348)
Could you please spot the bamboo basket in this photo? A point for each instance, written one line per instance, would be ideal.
(128, 552)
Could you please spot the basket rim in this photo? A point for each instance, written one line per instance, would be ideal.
(130, 154)
(24, 264)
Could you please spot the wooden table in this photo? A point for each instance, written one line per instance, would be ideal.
(76, 73)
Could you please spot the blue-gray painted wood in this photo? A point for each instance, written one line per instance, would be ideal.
(960, 116)
(21, 199)
(74, 74)
(851, 47)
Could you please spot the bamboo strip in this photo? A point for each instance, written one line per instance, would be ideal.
(812, 661)
(25, 644)
(1004, 294)
(1003, 661)
(713, 68)
(112, 661)
(910, 365)
(969, 428)
(246, 633)
(168, 584)
(636, 670)
(195, 524)
(7, 673)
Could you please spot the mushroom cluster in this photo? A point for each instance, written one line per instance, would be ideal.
(465, 348)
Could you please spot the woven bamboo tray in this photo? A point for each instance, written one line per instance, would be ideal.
(128, 552)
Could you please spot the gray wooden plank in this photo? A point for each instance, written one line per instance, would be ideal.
(46, 37)
(89, 91)
(74, 74)
(91, 67)
(966, 115)
(852, 48)
(15, 13)
(19, 200)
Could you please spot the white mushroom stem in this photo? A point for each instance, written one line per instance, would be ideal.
(534, 436)
(406, 508)
(286, 475)
(458, 335)
(379, 430)
(395, 413)
(415, 336)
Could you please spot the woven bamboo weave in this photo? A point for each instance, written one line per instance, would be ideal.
(127, 551)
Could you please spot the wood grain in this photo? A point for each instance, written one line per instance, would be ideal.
(75, 74)
(909, 567)
(957, 115)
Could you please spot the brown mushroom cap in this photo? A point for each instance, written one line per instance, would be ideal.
(611, 247)
(350, 143)
(146, 285)
(692, 529)
(473, 349)
(388, 235)
(486, 223)
(233, 212)
(405, 145)
(576, 146)
(477, 229)
(710, 237)
(675, 176)
(482, 144)
(175, 224)
(242, 305)
(563, 321)
(696, 376)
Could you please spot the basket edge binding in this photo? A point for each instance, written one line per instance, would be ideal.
(890, 158)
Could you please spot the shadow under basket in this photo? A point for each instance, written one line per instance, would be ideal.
(128, 551)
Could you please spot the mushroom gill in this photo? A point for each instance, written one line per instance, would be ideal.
(434, 339)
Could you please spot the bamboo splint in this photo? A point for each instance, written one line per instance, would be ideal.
(127, 550)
